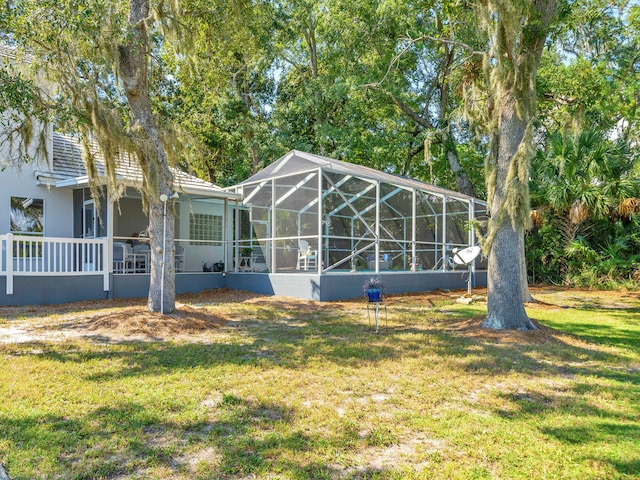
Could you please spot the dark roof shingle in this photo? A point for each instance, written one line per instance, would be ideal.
(68, 165)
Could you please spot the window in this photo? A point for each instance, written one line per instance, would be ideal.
(205, 228)
(89, 219)
(27, 216)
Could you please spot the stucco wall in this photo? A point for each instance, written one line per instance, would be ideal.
(58, 203)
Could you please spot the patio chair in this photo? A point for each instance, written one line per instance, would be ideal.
(123, 258)
(142, 257)
(307, 258)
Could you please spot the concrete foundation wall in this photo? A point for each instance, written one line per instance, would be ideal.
(341, 286)
(52, 290)
(304, 286)
(328, 287)
(135, 286)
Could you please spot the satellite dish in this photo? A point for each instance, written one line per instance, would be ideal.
(466, 255)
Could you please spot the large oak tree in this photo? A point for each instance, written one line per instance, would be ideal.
(100, 58)
(517, 31)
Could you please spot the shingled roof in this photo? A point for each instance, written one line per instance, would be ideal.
(68, 170)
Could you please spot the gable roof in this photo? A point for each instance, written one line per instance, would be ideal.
(298, 162)
(68, 170)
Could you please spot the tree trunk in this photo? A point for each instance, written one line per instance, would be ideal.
(505, 307)
(158, 179)
(518, 32)
(463, 184)
(162, 291)
(524, 279)
(255, 157)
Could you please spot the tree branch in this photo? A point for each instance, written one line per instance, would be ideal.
(406, 109)
(561, 99)
(413, 41)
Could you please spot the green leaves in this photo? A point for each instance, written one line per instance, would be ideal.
(581, 182)
(17, 93)
(584, 168)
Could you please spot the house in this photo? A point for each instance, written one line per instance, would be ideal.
(59, 243)
(306, 226)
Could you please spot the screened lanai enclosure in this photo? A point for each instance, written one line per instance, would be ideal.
(307, 213)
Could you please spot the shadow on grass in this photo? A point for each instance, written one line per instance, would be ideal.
(293, 339)
(595, 433)
(265, 344)
(247, 438)
(104, 443)
(627, 467)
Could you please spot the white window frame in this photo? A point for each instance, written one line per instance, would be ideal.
(27, 202)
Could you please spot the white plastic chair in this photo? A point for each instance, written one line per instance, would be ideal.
(307, 258)
(123, 258)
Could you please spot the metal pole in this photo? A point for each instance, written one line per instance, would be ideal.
(225, 234)
(444, 233)
(164, 199)
(472, 241)
(272, 234)
(9, 263)
(236, 240)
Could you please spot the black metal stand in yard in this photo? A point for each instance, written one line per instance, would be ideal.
(377, 311)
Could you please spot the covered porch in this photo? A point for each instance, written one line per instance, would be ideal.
(202, 210)
(33, 288)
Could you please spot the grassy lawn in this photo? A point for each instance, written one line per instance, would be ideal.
(297, 390)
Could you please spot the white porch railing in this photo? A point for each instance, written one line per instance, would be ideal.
(49, 256)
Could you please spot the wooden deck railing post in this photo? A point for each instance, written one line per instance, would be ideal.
(106, 262)
(9, 263)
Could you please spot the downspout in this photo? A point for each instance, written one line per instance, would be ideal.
(108, 245)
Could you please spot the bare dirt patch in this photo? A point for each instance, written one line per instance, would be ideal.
(472, 328)
(137, 321)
